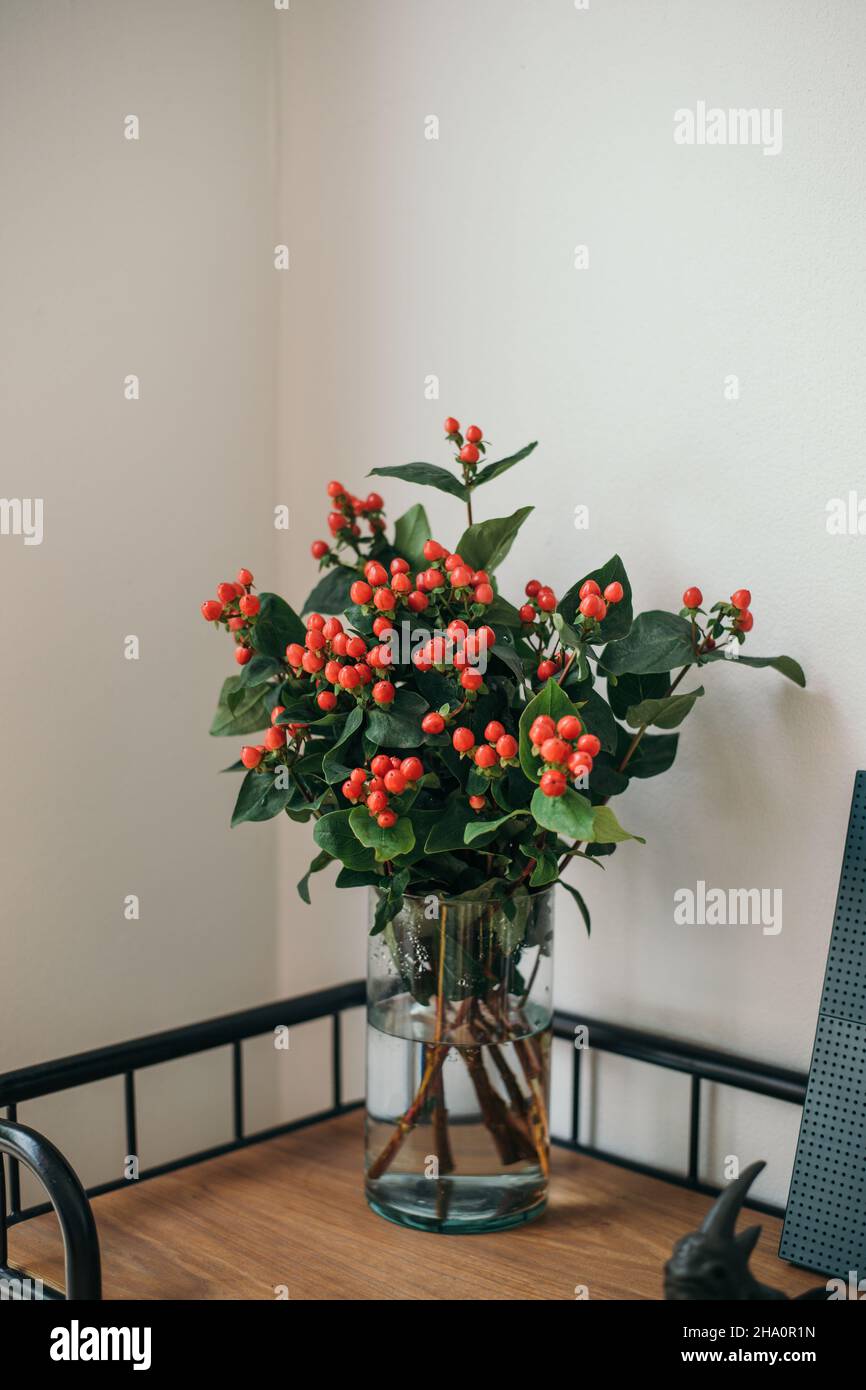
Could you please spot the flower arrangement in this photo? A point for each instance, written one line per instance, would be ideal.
(443, 740)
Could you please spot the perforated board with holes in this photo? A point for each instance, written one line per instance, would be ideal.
(825, 1221)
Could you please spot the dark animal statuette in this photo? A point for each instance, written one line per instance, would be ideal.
(713, 1263)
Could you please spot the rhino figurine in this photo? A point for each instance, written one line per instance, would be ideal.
(712, 1263)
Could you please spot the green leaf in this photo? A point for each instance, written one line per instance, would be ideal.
(321, 861)
(359, 878)
(398, 838)
(399, 726)
(425, 475)
(276, 626)
(331, 594)
(654, 755)
(606, 829)
(625, 691)
(666, 713)
(581, 905)
(619, 615)
(596, 717)
(260, 798)
(447, 833)
(241, 710)
(476, 829)
(504, 652)
(552, 700)
(658, 641)
(333, 769)
(501, 613)
(389, 900)
(485, 545)
(494, 470)
(334, 834)
(569, 815)
(411, 530)
(546, 869)
(784, 664)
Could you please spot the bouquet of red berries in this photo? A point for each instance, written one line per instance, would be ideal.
(441, 738)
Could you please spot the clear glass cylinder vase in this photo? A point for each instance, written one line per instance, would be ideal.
(459, 1009)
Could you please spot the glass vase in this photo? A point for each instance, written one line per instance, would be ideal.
(459, 1008)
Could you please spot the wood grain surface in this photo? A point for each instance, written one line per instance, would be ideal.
(288, 1218)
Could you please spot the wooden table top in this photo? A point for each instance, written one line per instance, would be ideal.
(287, 1218)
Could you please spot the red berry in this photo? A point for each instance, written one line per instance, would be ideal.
(395, 782)
(251, 757)
(275, 738)
(532, 588)
(349, 677)
(360, 592)
(692, 598)
(469, 454)
(312, 663)
(358, 776)
(433, 550)
(592, 606)
(294, 654)
(741, 598)
(474, 434)
(335, 490)
(244, 577)
(541, 728)
(356, 647)
(471, 680)
(494, 731)
(399, 566)
(486, 637)
(380, 764)
(432, 723)
(485, 756)
(463, 739)
(243, 655)
(276, 712)
(315, 620)
(401, 584)
(569, 726)
(376, 802)
(553, 783)
(336, 522)
(614, 592)
(412, 769)
(338, 643)
(351, 791)
(554, 750)
(546, 669)
(375, 573)
(381, 625)
(211, 609)
(315, 640)
(478, 802)
(589, 587)
(327, 700)
(451, 425)
(383, 692)
(417, 601)
(319, 549)
(452, 561)
(226, 593)
(433, 579)
(484, 594)
(527, 613)
(461, 577)
(385, 820)
(588, 743)
(745, 622)
(331, 628)
(374, 502)
(457, 629)
(384, 600)
(580, 764)
(236, 624)
(480, 577)
(506, 746)
(546, 600)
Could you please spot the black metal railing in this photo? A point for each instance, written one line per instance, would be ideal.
(125, 1059)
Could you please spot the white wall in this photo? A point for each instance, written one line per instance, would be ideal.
(411, 257)
(150, 257)
(455, 257)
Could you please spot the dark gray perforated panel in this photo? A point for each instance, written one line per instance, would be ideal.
(825, 1222)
